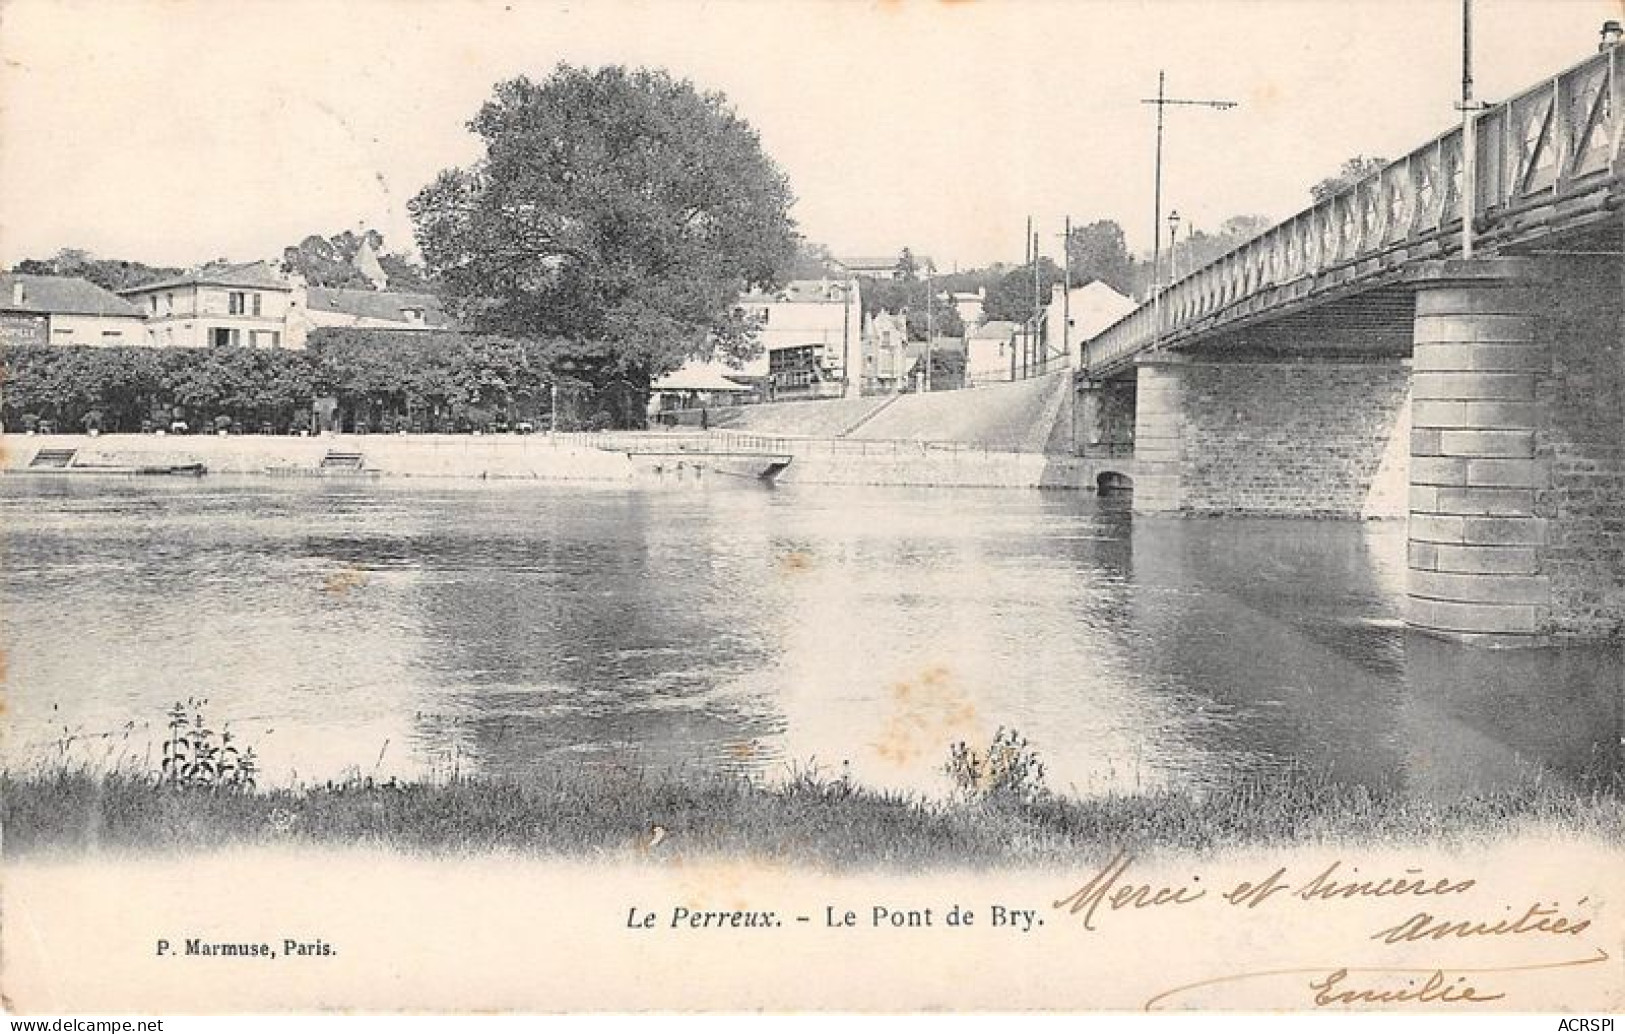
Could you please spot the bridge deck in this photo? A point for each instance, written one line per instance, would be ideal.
(1549, 164)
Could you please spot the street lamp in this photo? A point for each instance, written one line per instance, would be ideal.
(1173, 235)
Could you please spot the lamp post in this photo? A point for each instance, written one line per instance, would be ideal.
(1173, 239)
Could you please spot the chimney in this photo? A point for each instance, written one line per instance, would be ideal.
(1611, 33)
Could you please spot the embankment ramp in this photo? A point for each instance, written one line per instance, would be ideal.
(1033, 416)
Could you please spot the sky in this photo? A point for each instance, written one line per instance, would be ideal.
(177, 131)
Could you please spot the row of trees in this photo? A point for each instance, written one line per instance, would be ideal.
(1097, 251)
(321, 261)
(616, 213)
(424, 382)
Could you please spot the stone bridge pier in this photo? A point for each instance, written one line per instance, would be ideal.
(1482, 400)
(1103, 427)
(1517, 457)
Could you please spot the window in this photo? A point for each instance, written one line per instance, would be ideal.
(225, 336)
(256, 303)
(169, 303)
(154, 304)
(112, 336)
(237, 303)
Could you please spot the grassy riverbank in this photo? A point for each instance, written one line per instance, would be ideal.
(809, 819)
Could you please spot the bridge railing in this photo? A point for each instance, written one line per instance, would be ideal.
(737, 442)
(1553, 141)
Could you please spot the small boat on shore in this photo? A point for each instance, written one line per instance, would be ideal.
(175, 469)
(143, 470)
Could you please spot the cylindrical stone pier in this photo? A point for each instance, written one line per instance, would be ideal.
(1475, 542)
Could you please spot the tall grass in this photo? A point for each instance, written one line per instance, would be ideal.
(1003, 814)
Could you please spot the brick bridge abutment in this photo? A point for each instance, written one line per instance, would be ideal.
(1500, 438)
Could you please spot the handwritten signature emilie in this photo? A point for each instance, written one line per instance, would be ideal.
(1110, 890)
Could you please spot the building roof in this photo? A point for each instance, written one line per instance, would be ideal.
(220, 274)
(995, 330)
(886, 263)
(889, 321)
(378, 305)
(833, 291)
(915, 349)
(60, 294)
(867, 261)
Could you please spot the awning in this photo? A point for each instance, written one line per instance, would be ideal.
(701, 377)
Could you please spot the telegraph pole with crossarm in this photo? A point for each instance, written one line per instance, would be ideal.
(1162, 101)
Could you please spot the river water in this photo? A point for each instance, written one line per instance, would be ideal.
(418, 629)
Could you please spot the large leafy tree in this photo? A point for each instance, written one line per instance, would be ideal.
(1012, 297)
(622, 211)
(1099, 251)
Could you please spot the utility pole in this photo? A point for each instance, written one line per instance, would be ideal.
(1469, 134)
(1162, 101)
(1066, 290)
(1026, 326)
(846, 339)
(1037, 344)
(930, 328)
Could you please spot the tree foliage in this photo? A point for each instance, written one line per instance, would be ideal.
(1197, 248)
(427, 380)
(1011, 296)
(331, 262)
(910, 298)
(1351, 172)
(623, 211)
(112, 274)
(812, 261)
(908, 267)
(1099, 251)
(131, 387)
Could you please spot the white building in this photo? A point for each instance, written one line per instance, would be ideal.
(219, 305)
(1090, 308)
(809, 331)
(969, 305)
(65, 310)
(316, 307)
(992, 352)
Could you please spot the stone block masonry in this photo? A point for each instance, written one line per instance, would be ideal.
(1296, 437)
(1517, 471)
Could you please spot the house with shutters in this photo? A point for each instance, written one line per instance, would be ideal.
(245, 305)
